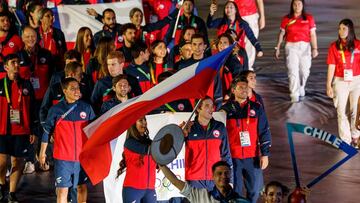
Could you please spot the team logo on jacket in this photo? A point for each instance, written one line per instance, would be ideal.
(181, 107)
(11, 44)
(42, 60)
(216, 133)
(161, 6)
(25, 91)
(252, 112)
(59, 42)
(82, 115)
(22, 62)
(120, 39)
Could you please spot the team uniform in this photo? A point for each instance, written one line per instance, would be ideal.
(66, 121)
(242, 28)
(10, 44)
(16, 115)
(249, 12)
(249, 138)
(298, 52)
(346, 85)
(115, 34)
(142, 74)
(204, 146)
(138, 161)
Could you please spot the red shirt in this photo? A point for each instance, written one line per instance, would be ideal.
(297, 29)
(13, 45)
(86, 58)
(246, 7)
(334, 57)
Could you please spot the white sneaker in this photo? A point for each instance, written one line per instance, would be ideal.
(294, 99)
(29, 168)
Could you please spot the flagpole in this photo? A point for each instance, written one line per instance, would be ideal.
(192, 113)
(177, 19)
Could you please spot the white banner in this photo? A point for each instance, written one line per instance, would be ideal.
(73, 17)
(164, 190)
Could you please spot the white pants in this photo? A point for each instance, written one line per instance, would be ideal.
(253, 21)
(344, 92)
(298, 63)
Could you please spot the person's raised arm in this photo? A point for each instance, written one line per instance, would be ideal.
(179, 184)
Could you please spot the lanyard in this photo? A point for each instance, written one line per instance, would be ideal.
(152, 72)
(232, 26)
(147, 75)
(7, 93)
(170, 108)
(66, 113)
(192, 20)
(343, 55)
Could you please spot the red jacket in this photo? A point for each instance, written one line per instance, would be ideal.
(18, 91)
(139, 162)
(67, 122)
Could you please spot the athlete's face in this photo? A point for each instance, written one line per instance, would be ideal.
(77, 74)
(188, 34)
(122, 88)
(223, 43)
(221, 176)
(47, 20)
(129, 35)
(188, 7)
(343, 31)
(186, 51)
(274, 195)
(251, 78)
(198, 46)
(137, 18)
(109, 19)
(141, 125)
(4, 24)
(160, 50)
(29, 37)
(206, 110)
(114, 67)
(87, 38)
(297, 6)
(240, 91)
(230, 9)
(72, 92)
(12, 68)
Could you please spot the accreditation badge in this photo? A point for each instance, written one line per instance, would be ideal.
(14, 116)
(245, 138)
(35, 82)
(348, 75)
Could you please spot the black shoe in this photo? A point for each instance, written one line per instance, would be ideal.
(12, 198)
(2, 192)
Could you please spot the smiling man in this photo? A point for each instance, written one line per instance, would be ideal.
(221, 192)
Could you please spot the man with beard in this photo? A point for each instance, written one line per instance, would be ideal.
(129, 37)
(110, 28)
(10, 43)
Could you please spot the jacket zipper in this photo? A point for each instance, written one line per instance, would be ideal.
(75, 140)
(148, 173)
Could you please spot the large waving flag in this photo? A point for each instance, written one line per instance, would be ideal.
(70, 18)
(190, 82)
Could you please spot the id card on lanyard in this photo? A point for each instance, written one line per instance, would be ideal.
(348, 71)
(14, 113)
(244, 135)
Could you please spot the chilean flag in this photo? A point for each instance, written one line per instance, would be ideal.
(190, 82)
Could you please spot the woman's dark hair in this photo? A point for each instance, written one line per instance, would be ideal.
(152, 48)
(143, 139)
(30, 9)
(183, 31)
(350, 45)
(237, 15)
(291, 14)
(284, 188)
(79, 43)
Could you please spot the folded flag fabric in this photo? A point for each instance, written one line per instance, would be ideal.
(190, 82)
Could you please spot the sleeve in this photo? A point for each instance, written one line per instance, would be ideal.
(92, 115)
(203, 30)
(225, 151)
(213, 23)
(312, 24)
(194, 194)
(168, 35)
(250, 35)
(284, 23)
(161, 23)
(331, 58)
(135, 86)
(99, 18)
(45, 105)
(104, 107)
(264, 133)
(63, 42)
(218, 93)
(49, 125)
